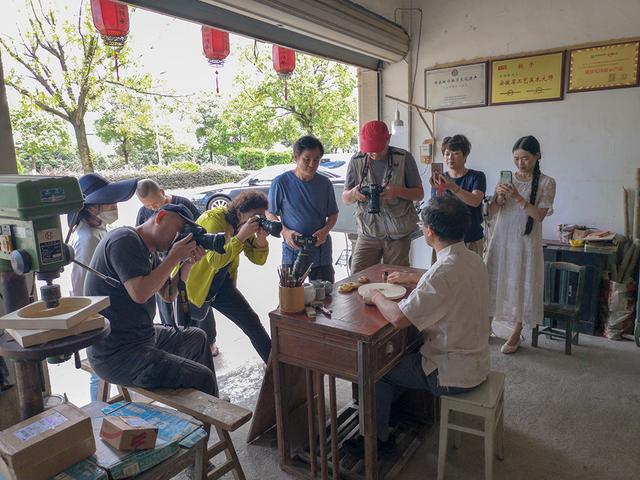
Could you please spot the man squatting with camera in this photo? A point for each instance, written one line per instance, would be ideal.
(137, 352)
(385, 182)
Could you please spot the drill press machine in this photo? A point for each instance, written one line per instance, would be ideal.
(31, 240)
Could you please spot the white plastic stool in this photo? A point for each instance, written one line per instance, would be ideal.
(486, 401)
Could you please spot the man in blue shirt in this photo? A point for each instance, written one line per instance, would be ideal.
(305, 203)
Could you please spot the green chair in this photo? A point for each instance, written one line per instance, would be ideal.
(563, 287)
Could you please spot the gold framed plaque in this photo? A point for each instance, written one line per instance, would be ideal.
(603, 67)
(534, 78)
(462, 86)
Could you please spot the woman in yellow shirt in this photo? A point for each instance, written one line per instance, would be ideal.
(212, 280)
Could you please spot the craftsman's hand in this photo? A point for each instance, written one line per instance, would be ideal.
(290, 237)
(321, 236)
(357, 195)
(184, 250)
(390, 192)
(369, 296)
(401, 278)
(248, 229)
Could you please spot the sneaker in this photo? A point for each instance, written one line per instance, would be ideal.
(355, 446)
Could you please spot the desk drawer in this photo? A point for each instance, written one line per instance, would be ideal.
(389, 350)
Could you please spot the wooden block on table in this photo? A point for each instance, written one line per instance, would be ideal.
(70, 312)
(29, 338)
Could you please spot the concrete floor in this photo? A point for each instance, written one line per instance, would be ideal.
(566, 417)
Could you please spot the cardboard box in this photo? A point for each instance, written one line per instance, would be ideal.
(45, 444)
(128, 433)
(175, 430)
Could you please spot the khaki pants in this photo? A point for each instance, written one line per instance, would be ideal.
(367, 253)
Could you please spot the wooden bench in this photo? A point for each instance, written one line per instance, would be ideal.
(223, 416)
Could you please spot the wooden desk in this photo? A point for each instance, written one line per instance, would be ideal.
(355, 344)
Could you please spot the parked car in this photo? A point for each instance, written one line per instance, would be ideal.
(222, 194)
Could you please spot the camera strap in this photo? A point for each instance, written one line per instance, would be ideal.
(388, 171)
(183, 308)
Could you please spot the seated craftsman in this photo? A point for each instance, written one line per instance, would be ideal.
(137, 352)
(450, 306)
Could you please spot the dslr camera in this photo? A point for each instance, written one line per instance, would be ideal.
(271, 227)
(208, 241)
(304, 241)
(372, 192)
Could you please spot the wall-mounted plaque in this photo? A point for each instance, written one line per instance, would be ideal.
(462, 86)
(606, 66)
(534, 78)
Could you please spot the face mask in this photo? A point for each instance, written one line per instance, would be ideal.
(108, 217)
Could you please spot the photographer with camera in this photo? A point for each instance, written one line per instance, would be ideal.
(385, 182)
(212, 282)
(137, 352)
(306, 204)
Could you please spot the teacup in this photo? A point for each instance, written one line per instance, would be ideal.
(309, 293)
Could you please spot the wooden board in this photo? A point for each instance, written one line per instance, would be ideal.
(29, 338)
(70, 312)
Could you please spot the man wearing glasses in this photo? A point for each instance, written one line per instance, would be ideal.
(387, 177)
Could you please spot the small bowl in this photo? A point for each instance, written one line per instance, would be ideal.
(576, 242)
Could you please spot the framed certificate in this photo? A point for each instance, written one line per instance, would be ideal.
(534, 78)
(462, 86)
(603, 67)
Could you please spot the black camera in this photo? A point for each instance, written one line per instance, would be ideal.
(271, 227)
(305, 241)
(208, 241)
(372, 192)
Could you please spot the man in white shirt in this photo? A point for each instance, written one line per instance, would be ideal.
(449, 306)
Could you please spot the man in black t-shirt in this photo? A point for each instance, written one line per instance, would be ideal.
(137, 352)
(152, 198)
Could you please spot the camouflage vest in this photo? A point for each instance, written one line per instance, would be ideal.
(397, 217)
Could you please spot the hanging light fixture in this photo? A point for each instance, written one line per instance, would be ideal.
(215, 44)
(284, 63)
(111, 19)
(397, 127)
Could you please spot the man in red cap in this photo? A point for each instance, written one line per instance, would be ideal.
(385, 182)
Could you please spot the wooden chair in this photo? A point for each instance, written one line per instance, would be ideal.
(486, 401)
(563, 287)
(223, 416)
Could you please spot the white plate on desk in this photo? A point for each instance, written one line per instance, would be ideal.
(389, 290)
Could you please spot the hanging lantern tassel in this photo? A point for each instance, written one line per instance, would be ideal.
(286, 90)
(115, 58)
(217, 86)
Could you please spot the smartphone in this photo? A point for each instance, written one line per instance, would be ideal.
(506, 176)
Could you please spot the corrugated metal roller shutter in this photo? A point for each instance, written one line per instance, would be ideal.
(337, 29)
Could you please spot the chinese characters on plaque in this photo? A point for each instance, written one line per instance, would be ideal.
(533, 78)
(606, 66)
(462, 86)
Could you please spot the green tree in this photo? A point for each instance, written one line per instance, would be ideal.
(41, 140)
(321, 101)
(127, 121)
(62, 66)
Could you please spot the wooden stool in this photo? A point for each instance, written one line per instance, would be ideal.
(223, 416)
(486, 401)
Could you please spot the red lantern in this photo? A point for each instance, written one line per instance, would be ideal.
(284, 62)
(215, 44)
(112, 21)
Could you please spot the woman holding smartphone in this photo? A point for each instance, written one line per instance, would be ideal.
(514, 257)
(464, 183)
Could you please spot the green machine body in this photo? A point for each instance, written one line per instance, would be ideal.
(30, 231)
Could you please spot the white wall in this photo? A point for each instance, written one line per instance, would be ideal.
(590, 141)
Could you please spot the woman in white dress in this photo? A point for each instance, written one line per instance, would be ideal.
(515, 258)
